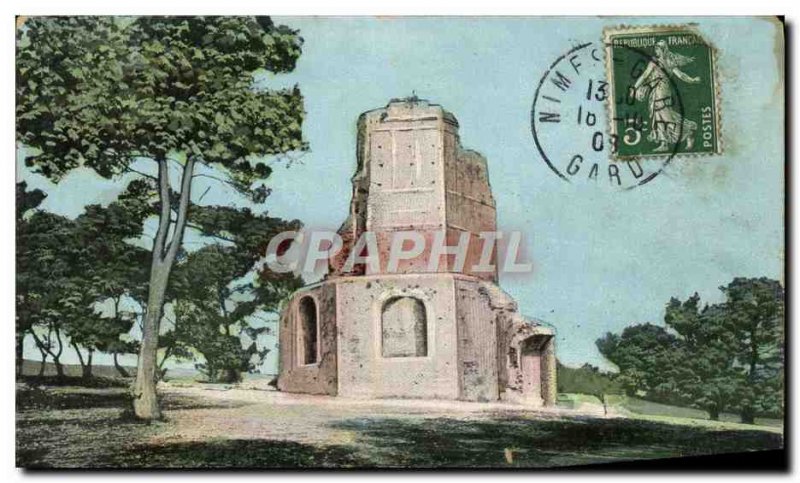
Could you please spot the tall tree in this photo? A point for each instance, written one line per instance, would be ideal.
(706, 374)
(754, 313)
(26, 201)
(215, 289)
(725, 356)
(645, 355)
(46, 251)
(110, 269)
(105, 92)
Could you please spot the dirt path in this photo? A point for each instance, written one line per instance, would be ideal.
(269, 414)
(245, 427)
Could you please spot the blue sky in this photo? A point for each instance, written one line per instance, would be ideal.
(603, 259)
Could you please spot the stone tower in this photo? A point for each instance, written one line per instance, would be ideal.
(409, 331)
(413, 175)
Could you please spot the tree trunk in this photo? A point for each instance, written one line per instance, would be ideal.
(161, 371)
(80, 359)
(87, 369)
(43, 364)
(120, 369)
(57, 355)
(210, 372)
(59, 367)
(145, 402)
(20, 348)
(748, 413)
(42, 351)
(232, 375)
(713, 413)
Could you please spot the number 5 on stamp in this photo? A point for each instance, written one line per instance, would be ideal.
(663, 92)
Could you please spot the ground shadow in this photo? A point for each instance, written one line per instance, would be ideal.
(37, 398)
(81, 428)
(524, 442)
(236, 453)
(188, 402)
(100, 382)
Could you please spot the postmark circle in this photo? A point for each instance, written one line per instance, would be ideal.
(570, 121)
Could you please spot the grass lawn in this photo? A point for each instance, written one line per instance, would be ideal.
(70, 426)
(641, 408)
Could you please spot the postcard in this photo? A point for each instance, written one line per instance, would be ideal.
(400, 242)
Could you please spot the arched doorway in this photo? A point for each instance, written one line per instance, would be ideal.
(307, 332)
(532, 351)
(404, 328)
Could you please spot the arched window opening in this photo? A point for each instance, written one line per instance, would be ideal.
(404, 328)
(308, 347)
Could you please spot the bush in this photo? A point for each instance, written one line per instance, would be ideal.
(587, 379)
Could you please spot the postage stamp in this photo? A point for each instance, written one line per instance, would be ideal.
(663, 92)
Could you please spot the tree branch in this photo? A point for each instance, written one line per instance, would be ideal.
(216, 178)
(60, 343)
(183, 209)
(204, 194)
(263, 319)
(131, 170)
(205, 233)
(163, 223)
(167, 354)
(39, 343)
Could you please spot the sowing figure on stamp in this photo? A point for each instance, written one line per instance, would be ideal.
(667, 126)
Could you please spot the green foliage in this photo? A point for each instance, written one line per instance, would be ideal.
(100, 91)
(29, 272)
(65, 268)
(641, 353)
(704, 372)
(27, 200)
(754, 313)
(586, 379)
(723, 356)
(103, 92)
(44, 243)
(107, 269)
(50, 291)
(216, 306)
(44, 247)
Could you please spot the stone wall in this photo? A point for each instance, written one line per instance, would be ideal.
(319, 377)
(470, 207)
(477, 342)
(414, 333)
(517, 337)
(412, 174)
(364, 372)
(473, 349)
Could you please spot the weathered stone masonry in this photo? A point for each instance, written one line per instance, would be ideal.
(415, 333)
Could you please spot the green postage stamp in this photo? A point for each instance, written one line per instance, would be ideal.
(664, 92)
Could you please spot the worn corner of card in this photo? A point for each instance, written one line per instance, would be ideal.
(664, 92)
